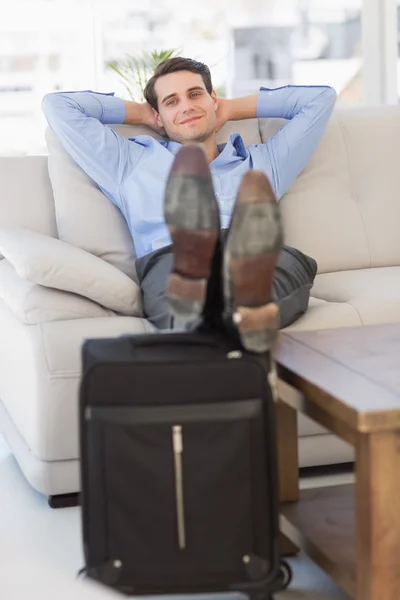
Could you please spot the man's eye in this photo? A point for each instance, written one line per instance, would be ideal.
(170, 102)
(196, 94)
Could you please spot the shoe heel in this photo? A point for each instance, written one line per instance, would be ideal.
(258, 340)
(186, 297)
(257, 327)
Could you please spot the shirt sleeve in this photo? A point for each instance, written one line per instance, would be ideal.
(79, 120)
(308, 110)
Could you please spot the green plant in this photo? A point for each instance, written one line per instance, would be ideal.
(220, 91)
(134, 71)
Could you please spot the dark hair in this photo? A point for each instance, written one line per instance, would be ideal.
(172, 65)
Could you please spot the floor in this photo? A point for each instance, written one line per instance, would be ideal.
(54, 536)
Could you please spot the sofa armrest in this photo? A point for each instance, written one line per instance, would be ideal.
(49, 262)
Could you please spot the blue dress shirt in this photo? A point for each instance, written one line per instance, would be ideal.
(133, 172)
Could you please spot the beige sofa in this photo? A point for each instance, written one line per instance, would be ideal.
(344, 210)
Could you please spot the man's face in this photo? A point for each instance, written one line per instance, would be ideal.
(185, 108)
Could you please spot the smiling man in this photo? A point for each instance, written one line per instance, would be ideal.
(173, 190)
(187, 114)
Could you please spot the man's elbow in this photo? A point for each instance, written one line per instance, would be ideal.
(46, 105)
(54, 103)
(330, 95)
(326, 100)
(49, 102)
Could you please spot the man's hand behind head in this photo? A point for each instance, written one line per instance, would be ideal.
(149, 119)
(141, 113)
(222, 113)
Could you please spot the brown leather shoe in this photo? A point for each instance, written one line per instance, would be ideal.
(192, 215)
(252, 249)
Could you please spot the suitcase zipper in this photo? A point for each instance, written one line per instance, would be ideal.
(180, 510)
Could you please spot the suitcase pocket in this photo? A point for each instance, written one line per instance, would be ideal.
(180, 496)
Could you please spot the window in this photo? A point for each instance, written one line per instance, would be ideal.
(48, 45)
(303, 42)
(398, 48)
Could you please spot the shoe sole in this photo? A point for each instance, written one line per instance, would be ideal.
(254, 243)
(187, 283)
(192, 215)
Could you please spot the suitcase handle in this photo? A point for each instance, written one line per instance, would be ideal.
(181, 339)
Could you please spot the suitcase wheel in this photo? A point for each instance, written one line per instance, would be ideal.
(286, 574)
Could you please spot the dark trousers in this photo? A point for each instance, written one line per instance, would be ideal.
(293, 280)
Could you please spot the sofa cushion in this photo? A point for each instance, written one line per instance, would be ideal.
(85, 217)
(373, 147)
(322, 314)
(34, 304)
(307, 427)
(52, 263)
(319, 208)
(349, 298)
(249, 129)
(26, 197)
(316, 450)
(343, 209)
(373, 293)
(43, 403)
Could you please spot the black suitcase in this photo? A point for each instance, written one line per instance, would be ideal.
(178, 467)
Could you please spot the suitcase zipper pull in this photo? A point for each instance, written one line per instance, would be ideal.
(177, 443)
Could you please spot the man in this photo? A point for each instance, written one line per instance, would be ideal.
(251, 286)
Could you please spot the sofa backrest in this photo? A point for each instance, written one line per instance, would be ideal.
(344, 208)
(85, 217)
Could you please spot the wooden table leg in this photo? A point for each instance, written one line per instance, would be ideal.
(288, 464)
(378, 516)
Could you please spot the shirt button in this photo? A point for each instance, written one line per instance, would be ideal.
(269, 93)
(222, 202)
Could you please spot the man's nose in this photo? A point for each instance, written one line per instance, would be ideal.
(185, 104)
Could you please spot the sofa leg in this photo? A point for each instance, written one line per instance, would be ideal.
(64, 500)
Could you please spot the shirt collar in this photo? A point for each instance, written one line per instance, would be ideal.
(227, 152)
(233, 148)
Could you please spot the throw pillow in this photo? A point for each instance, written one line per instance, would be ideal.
(50, 262)
(33, 304)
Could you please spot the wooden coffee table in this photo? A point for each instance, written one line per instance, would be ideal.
(348, 380)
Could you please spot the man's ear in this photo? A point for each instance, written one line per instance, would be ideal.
(157, 117)
(215, 100)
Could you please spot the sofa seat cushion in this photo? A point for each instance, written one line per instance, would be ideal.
(373, 293)
(322, 314)
(351, 298)
(43, 403)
